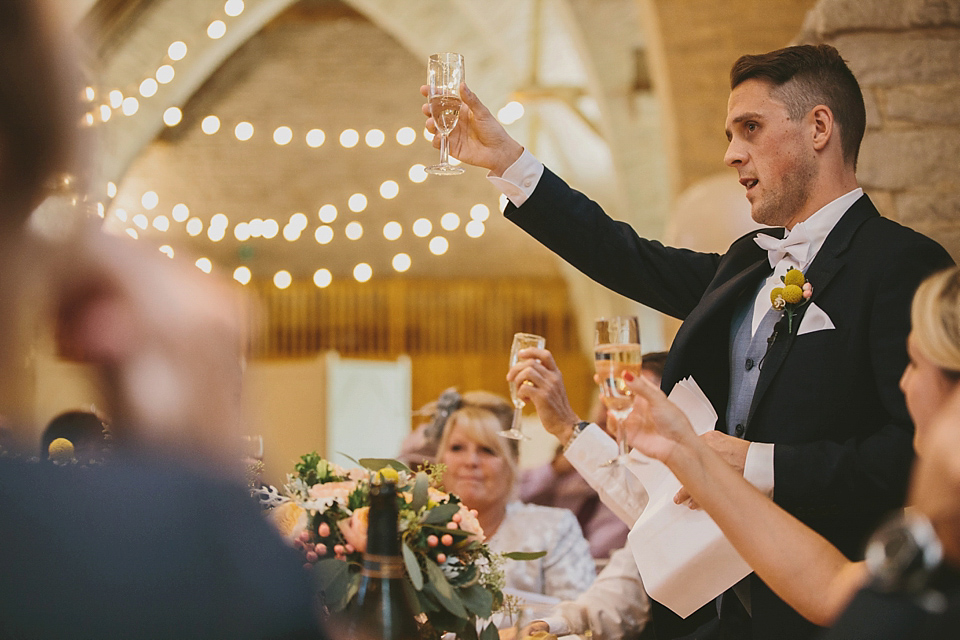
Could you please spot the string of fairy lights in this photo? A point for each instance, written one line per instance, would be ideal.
(117, 102)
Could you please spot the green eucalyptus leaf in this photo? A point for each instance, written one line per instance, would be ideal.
(413, 598)
(446, 595)
(420, 494)
(413, 567)
(375, 464)
(448, 602)
(524, 555)
(490, 632)
(440, 514)
(337, 583)
(477, 600)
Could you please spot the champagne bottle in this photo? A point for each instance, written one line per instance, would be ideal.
(381, 609)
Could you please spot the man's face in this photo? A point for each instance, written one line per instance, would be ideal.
(772, 154)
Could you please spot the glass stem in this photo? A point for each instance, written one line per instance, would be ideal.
(444, 153)
(516, 417)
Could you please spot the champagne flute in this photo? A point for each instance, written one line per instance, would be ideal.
(520, 341)
(444, 75)
(616, 351)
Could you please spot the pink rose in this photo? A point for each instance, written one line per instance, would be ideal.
(354, 528)
(339, 491)
(469, 523)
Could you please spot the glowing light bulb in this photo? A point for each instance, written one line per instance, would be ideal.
(167, 250)
(111, 190)
(141, 221)
(242, 275)
(215, 233)
(282, 135)
(417, 173)
(148, 88)
(150, 200)
(217, 29)
(282, 279)
(422, 227)
(204, 265)
(392, 230)
(242, 231)
(116, 98)
(161, 223)
(327, 213)
(357, 202)
(374, 138)
(130, 106)
(165, 74)
(406, 136)
(362, 272)
(401, 262)
(210, 125)
(322, 278)
(349, 138)
(195, 226)
(270, 228)
(243, 131)
(428, 136)
(354, 231)
(105, 112)
(233, 8)
(315, 138)
(323, 234)
(474, 228)
(438, 245)
(389, 190)
(172, 116)
(479, 212)
(450, 221)
(180, 212)
(177, 50)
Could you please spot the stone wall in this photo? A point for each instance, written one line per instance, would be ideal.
(906, 54)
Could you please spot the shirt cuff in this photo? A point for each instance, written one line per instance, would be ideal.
(520, 179)
(758, 469)
(557, 625)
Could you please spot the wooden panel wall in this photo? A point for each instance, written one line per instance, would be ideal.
(456, 332)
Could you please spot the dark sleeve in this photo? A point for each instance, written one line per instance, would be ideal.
(869, 470)
(611, 253)
(881, 616)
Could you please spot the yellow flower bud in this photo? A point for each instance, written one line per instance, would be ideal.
(389, 474)
(776, 293)
(60, 450)
(794, 276)
(792, 294)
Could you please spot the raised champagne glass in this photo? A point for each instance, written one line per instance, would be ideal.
(444, 75)
(521, 341)
(616, 351)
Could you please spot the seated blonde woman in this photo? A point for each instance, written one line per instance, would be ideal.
(482, 468)
(909, 591)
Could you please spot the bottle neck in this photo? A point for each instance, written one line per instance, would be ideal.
(382, 538)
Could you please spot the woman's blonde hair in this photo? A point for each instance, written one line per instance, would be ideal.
(481, 417)
(935, 316)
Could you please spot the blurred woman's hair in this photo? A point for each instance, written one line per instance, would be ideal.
(935, 316)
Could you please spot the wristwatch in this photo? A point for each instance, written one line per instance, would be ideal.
(903, 553)
(577, 428)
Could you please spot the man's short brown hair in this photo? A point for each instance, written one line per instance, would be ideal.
(805, 76)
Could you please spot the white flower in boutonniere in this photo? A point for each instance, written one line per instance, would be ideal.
(794, 293)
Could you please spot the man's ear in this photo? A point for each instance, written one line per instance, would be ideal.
(823, 126)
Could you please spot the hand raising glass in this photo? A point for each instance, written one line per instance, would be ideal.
(444, 75)
(521, 341)
(616, 351)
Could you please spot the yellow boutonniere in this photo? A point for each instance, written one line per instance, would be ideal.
(794, 293)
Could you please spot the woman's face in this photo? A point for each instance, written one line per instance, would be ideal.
(475, 472)
(926, 388)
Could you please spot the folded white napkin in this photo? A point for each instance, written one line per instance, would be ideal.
(814, 319)
(683, 557)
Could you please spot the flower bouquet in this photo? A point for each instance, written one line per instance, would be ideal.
(457, 580)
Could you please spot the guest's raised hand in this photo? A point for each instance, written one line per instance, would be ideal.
(656, 426)
(539, 381)
(479, 138)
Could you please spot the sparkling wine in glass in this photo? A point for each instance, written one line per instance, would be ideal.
(616, 351)
(444, 75)
(520, 341)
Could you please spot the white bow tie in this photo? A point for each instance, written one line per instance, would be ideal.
(796, 244)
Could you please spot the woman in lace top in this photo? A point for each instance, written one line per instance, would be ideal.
(482, 469)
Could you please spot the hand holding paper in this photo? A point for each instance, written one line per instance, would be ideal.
(682, 555)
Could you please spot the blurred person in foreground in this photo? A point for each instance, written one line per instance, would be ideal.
(558, 484)
(482, 469)
(162, 541)
(909, 585)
